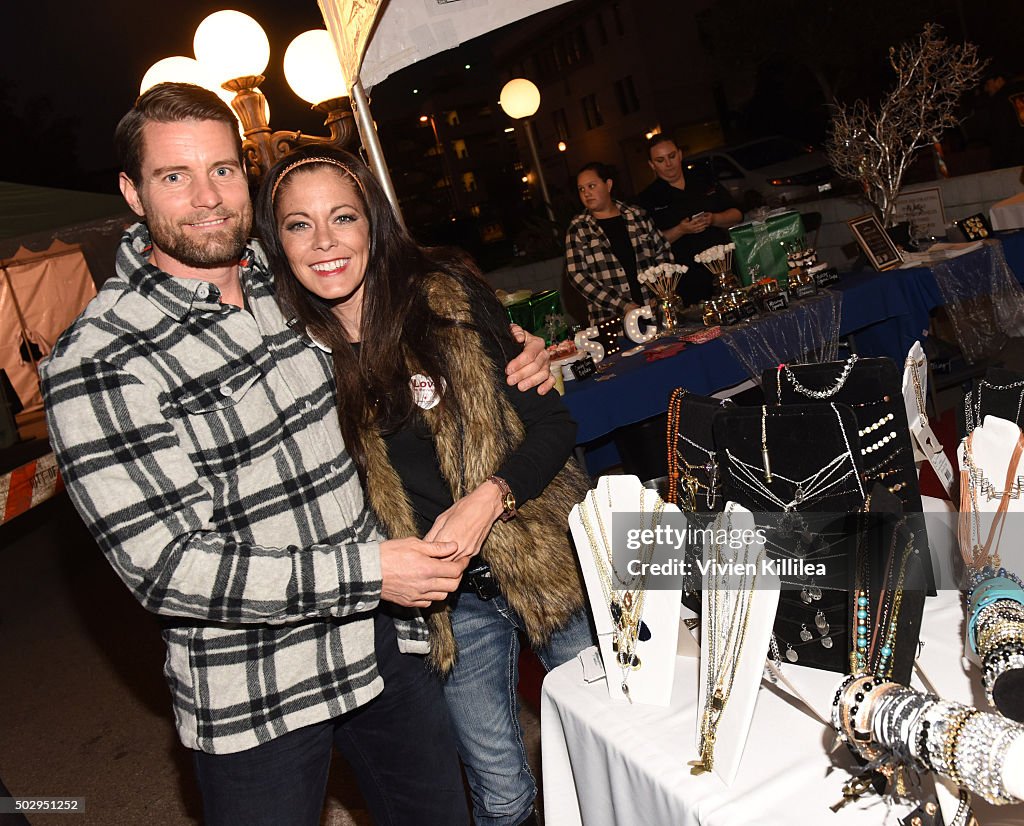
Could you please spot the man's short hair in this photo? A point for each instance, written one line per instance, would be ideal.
(660, 138)
(602, 170)
(167, 103)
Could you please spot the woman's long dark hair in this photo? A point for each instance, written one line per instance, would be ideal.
(373, 387)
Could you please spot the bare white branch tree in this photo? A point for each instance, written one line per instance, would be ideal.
(875, 146)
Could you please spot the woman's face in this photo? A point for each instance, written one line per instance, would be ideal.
(595, 194)
(325, 233)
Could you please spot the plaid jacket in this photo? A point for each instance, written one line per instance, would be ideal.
(596, 271)
(200, 444)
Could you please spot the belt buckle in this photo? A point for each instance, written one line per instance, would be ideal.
(485, 585)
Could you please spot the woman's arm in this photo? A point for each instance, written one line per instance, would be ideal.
(548, 443)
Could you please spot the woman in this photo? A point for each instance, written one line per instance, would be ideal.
(446, 450)
(608, 245)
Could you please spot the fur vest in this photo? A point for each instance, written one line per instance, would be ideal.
(531, 556)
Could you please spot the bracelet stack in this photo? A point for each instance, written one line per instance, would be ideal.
(893, 727)
(995, 629)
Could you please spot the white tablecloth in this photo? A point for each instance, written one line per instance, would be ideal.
(1008, 214)
(614, 765)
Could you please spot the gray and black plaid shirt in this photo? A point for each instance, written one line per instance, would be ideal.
(596, 271)
(200, 444)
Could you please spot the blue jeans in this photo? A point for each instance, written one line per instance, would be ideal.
(399, 746)
(484, 706)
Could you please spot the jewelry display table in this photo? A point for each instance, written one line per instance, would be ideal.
(608, 764)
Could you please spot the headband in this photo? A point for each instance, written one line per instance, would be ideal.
(304, 161)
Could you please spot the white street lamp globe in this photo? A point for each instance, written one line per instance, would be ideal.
(312, 69)
(520, 98)
(231, 45)
(176, 69)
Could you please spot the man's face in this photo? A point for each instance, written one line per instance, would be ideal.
(667, 161)
(193, 192)
(595, 194)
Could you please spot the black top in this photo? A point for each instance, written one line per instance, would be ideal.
(667, 206)
(550, 437)
(618, 236)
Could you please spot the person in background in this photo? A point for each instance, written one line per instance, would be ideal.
(691, 218)
(198, 439)
(446, 451)
(607, 245)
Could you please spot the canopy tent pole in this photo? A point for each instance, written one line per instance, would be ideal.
(371, 143)
(29, 344)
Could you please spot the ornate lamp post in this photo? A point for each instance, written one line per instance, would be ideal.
(232, 53)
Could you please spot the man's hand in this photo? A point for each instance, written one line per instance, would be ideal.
(695, 225)
(468, 521)
(415, 573)
(530, 368)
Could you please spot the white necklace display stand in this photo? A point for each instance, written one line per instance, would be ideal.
(734, 723)
(651, 683)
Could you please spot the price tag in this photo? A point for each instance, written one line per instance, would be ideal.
(730, 317)
(593, 668)
(748, 309)
(930, 447)
(805, 291)
(584, 368)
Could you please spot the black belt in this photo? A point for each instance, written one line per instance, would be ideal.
(480, 580)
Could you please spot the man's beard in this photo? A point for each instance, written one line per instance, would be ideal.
(214, 249)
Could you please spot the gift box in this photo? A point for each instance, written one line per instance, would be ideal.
(531, 313)
(763, 244)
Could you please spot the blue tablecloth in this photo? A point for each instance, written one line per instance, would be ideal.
(885, 311)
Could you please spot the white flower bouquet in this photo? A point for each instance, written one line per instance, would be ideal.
(717, 259)
(663, 279)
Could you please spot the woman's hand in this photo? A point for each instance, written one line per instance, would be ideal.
(468, 521)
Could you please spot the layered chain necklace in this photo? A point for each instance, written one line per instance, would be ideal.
(626, 603)
(725, 631)
(972, 401)
(812, 488)
(973, 482)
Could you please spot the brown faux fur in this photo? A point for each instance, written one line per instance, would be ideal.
(531, 556)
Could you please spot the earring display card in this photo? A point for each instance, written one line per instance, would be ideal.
(873, 388)
(810, 454)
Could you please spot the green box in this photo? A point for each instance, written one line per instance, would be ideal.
(764, 244)
(530, 313)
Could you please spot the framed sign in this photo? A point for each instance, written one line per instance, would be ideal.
(875, 241)
(923, 210)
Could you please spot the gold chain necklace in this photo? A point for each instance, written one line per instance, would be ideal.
(625, 605)
(723, 654)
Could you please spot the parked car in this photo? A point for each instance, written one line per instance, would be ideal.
(769, 172)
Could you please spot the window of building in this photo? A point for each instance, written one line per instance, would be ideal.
(460, 150)
(591, 112)
(561, 123)
(625, 93)
(475, 210)
(451, 118)
(602, 32)
(469, 181)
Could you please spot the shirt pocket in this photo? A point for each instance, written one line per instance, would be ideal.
(230, 420)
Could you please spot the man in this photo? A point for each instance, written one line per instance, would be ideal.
(691, 219)
(198, 439)
(608, 245)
